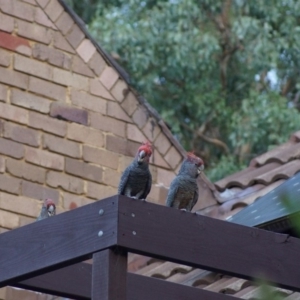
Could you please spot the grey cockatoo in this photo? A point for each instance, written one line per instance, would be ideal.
(48, 210)
(183, 192)
(136, 180)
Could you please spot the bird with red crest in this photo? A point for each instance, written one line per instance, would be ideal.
(48, 210)
(183, 192)
(136, 180)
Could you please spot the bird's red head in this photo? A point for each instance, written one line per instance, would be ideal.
(144, 152)
(191, 157)
(51, 208)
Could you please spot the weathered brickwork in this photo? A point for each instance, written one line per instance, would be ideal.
(69, 123)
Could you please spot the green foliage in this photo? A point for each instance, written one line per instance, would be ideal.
(223, 74)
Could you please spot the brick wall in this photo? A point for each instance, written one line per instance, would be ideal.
(69, 125)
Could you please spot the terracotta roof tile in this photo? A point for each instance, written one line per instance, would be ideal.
(247, 177)
(279, 154)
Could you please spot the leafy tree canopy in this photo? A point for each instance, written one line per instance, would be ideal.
(223, 74)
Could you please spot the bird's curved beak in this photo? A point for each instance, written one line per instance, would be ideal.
(200, 169)
(141, 156)
(51, 210)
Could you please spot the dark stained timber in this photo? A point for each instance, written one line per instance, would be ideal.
(58, 241)
(75, 282)
(207, 243)
(109, 275)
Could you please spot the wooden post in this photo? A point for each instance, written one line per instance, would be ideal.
(109, 275)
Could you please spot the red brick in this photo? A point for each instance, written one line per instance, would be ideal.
(13, 78)
(66, 182)
(11, 221)
(22, 134)
(99, 191)
(37, 191)
(140, 116)
(165, 177)
(64, 23)
(68, 112)
(162, 143)
(32, 67)
(24, 220)
(81, 68)
(108, 124)
(83, 169)
(5, 58)
(42, 3)
(130, 104)
(11, 148)
(10, 184)
(158, 194)
(41, 18)
(120, 90)
(54, 10)
(44, 158)
(100, 157)
(88, 101)
(48, 89)
(32, 2)
(124, 162)
(122, 146)
(61, 43)
(173, 158)
(157, 160)
(116, 111)
(111, 177)
(14, 43)
(109, 77)
(86, 50)
(53, 56)
(75, 36)
(47, 124)
(18, 9)
(6, 23)
(24, 170)
(151, 129)
(62, 146)
(97, 63)
(98, 89)
(30, 101)
(69, 79)
(85, 135)
(34, 32)
(3, 92)
(135, 134)
(73, 201)
(2, 164)
(13, 113)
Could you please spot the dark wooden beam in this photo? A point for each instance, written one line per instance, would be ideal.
(109, 275)
(148, 288)
(75, 282)
(207, 243)
(58, 241)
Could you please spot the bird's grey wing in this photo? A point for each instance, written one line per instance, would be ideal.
(123, 181)
(194, 200)
(148, 187)
(172, 192)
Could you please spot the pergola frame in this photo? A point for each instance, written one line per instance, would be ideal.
(46, 256)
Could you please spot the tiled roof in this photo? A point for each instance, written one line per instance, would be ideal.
(233, 193)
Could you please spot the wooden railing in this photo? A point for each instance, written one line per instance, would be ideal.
(47, 256)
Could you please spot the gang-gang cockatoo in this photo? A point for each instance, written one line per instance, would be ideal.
(183, 192)
(48, 210)
(136, 180)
